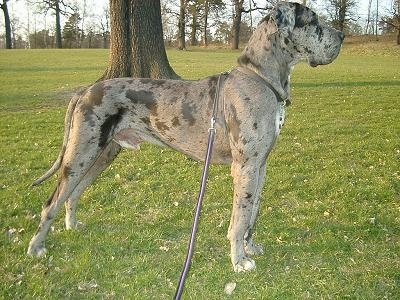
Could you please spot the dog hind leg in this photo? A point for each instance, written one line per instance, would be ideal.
(106, 157)
(63, 190)
(75, 168)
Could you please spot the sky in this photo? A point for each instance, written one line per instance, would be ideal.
(22, 12)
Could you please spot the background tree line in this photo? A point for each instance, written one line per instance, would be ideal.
(76, 24)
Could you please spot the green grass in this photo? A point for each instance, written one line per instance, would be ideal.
(330, 216)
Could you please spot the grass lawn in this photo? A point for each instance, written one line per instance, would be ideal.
(330, 216)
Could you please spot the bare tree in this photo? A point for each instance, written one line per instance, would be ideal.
(223, 33)
(376, 19)
(210, 6)
(59, 7)
(194, 10)
(199, 12)
(7, 23)
(137, 46)
(341, 12)
(104, 21)
(238, 10)
(393, 20)
(369, 17)
(83, 19)
(181, 25)
(169, 25)
(237, 19)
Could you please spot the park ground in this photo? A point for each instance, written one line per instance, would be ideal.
(330, 215)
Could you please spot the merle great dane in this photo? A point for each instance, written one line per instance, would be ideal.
(124, 112)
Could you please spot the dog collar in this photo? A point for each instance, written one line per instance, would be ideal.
(280, 94)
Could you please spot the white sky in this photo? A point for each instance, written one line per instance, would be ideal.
(20, 11)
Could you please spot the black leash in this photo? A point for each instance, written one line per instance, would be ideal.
(211, 136)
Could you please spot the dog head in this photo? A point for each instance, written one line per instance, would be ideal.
(304, 36)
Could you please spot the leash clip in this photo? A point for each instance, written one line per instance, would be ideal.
(213, 120)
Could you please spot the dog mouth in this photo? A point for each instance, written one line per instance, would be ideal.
(314, 62)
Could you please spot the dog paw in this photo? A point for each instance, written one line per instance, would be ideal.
(245, 264)
(38, 251)
(253, 249)
(74, 226)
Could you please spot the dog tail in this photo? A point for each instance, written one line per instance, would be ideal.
(67, 126)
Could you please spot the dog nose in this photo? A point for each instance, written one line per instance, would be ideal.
(341, 35)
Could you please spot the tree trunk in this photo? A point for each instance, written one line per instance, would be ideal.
(58, 24)
(7, 24)
(181, 26)
(193, 27)
(396, 7)
(368, 17)
(119, 64)
(82, 35)
(206, 12)
(136, 41)
(237, 19)
(343, 10)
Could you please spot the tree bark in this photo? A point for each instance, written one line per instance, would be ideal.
(181, 26)
(206, 12)
(58, 24)
(237, 19)
(368, 17)
(193, 27)
(397, 18)
(136, 42)
(7, 24)
(340, 12)
(105, 26)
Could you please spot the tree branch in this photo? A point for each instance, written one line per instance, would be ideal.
(390, 23)
(255, 7)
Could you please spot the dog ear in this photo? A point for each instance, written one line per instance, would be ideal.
(285, 18)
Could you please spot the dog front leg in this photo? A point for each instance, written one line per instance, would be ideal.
(250, 247)
(245, 180)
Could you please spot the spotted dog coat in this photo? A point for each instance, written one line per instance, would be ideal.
(124, 112)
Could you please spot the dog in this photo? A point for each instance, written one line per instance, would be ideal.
(125, 112)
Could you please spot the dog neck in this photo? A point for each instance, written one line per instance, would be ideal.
(264, 52)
